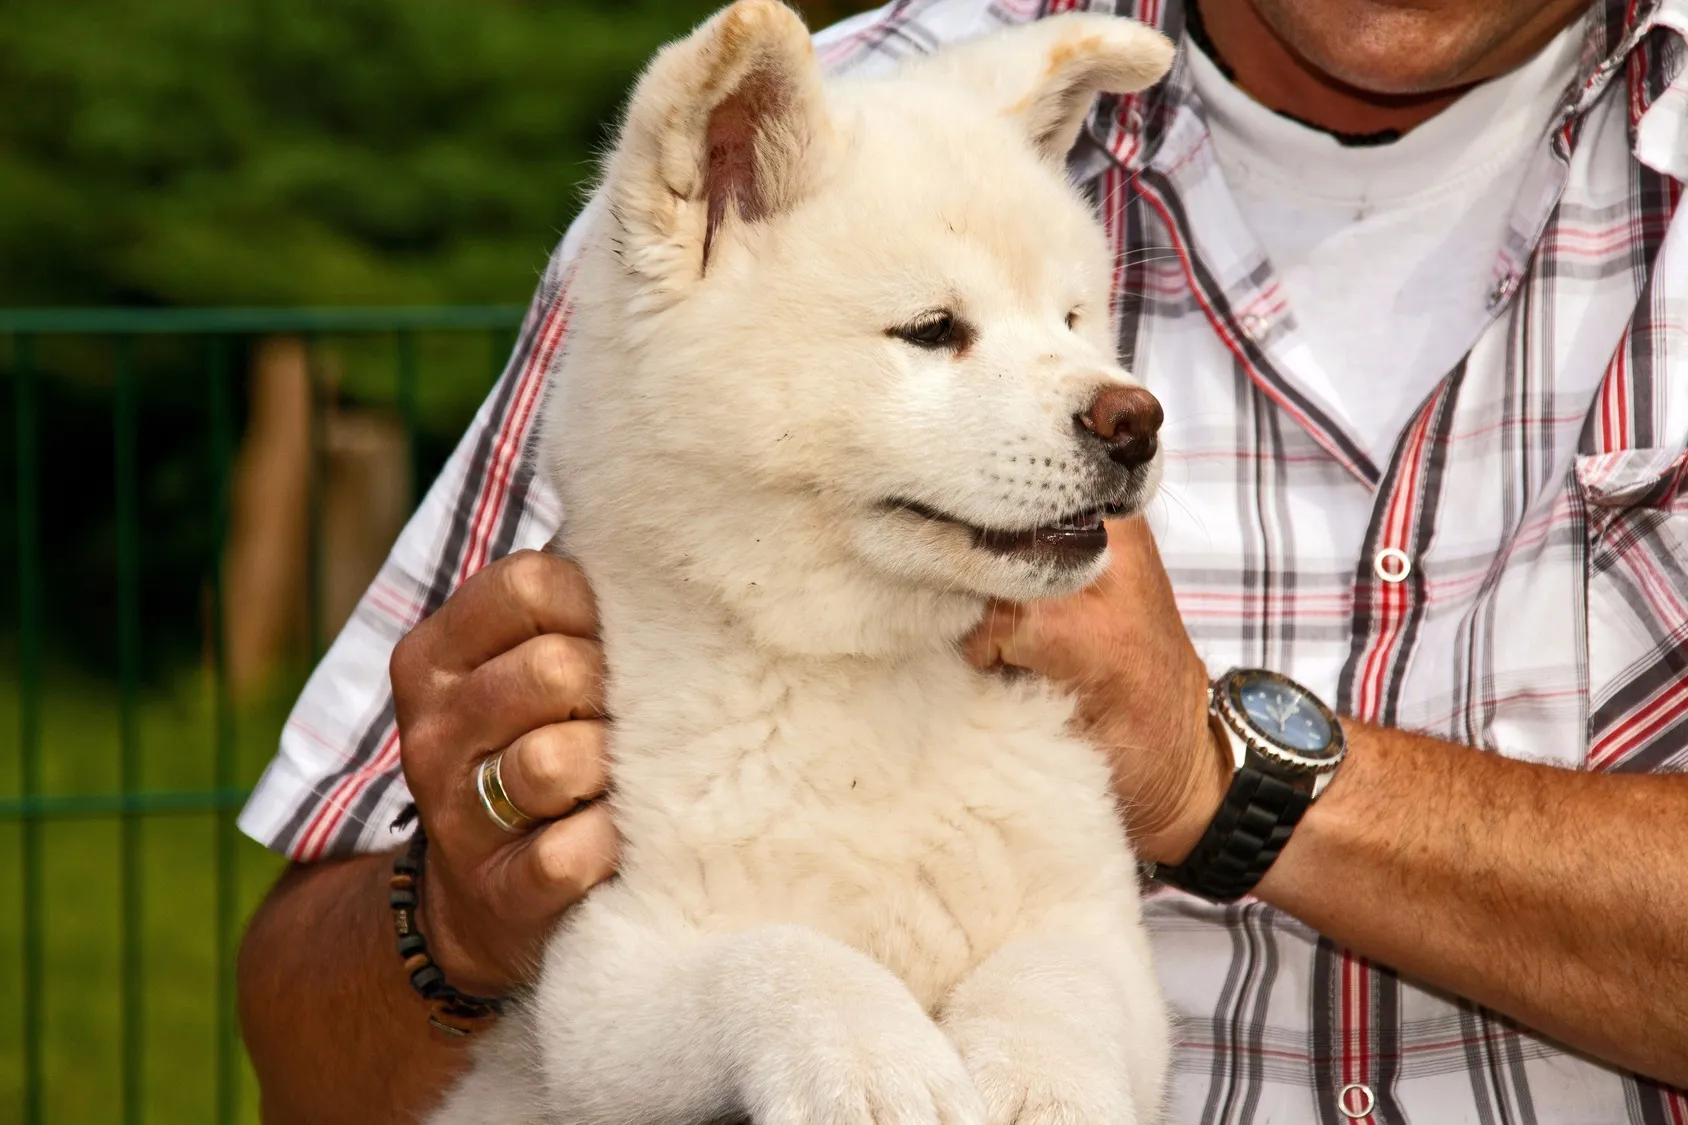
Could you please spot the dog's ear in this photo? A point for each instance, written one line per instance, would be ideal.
(1046, 74)
(725, 126)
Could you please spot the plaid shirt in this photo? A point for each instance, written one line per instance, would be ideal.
(1538, 502)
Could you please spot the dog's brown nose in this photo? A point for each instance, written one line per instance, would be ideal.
(1126, 418)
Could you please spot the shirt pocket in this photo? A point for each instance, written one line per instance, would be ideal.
(1633, 479)
(1636, 589)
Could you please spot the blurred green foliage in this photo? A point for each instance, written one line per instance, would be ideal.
(81, 1043)
(307, 152)
(251, 152)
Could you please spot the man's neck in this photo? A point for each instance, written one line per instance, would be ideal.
(1261, 64)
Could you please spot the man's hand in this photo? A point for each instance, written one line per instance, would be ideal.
(509, 663)
(1141, 688)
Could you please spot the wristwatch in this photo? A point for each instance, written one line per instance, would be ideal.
(1286, 745)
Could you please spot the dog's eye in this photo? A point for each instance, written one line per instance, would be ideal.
(936, 331)
(1072, 319)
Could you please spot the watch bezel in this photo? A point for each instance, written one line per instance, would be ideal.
(1230, 711)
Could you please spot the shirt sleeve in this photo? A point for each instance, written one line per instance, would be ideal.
(334, 786)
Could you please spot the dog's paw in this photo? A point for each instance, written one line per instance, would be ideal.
(850, 1068)
(1015, 1097)
(1025, 1082)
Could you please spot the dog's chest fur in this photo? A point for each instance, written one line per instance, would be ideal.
(920, 814)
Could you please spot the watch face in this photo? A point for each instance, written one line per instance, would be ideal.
(1284, 714)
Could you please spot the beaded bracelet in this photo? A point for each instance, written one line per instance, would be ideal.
(455, 1013)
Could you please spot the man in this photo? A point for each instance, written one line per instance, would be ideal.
(1409, 283)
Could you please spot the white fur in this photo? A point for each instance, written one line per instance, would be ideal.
(860, 882)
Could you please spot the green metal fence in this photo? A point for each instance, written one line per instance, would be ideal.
(37, 817)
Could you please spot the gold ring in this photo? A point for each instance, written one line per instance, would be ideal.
(497, 803)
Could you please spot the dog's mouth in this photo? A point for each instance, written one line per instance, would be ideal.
(1072, 540)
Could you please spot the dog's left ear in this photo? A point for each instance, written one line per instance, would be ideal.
(1046, 74)
(728, 126)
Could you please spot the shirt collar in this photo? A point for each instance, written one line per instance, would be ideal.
(1646, 41)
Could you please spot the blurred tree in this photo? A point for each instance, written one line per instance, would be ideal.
(309, 152)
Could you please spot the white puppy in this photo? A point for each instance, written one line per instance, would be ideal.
(840, 370)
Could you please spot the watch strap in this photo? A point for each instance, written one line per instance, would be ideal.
(1244, 838)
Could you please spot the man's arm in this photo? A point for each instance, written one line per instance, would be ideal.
(333, 1028)
(1554, 897)
(1557, 898)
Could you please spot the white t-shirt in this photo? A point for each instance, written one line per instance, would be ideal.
(1386, 253)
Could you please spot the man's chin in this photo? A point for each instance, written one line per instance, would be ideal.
(1423, 50)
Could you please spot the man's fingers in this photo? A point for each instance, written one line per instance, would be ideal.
(1131, 536)
(555, 866)
(547, 772)
(1137, 561)
(526, 595)
(544, 680)
(505, 898)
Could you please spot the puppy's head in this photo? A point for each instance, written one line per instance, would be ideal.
(853, 338)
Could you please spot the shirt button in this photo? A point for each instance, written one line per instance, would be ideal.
(1392, 565)
(1502, 290)
(1254, 326)
(1356, 1101)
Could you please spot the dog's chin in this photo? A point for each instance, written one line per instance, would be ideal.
(1014, 580)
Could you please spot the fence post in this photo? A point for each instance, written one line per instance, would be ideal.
(218, 374)
(405, 344)
(129, 751)
(313, 509)
(29, 720)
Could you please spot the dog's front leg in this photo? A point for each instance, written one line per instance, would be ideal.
(1063, 1030)
(779, 1023)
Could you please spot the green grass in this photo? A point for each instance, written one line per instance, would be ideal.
(82, 1027)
